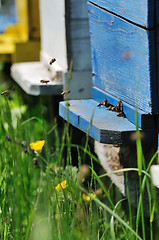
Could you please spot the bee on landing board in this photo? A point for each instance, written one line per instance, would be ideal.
(121, 114)
(52, 61)
(7, 91)
(44, 81)
(119, 106)
(65, 92)
(104, 103)
(112, 108)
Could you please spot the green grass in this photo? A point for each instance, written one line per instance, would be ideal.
(30, 205)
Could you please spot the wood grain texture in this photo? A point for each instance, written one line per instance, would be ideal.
(140, 12)
(144, 120)
(101, 124)
(123, 59)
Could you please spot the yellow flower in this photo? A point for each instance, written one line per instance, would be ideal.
(87, 198)
(37, 146)
(61, 185)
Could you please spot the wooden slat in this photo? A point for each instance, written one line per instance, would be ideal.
(140, 12)
(143, 120)
(79, 44)
(29, 74)
(123, 59)
(53, 30)
(101, 124)
(77, 9)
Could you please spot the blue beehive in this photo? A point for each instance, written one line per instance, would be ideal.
(124, 50)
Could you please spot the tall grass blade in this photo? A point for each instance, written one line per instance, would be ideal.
(30, 119)
(102, 186)
(112, 213)
(112, 221)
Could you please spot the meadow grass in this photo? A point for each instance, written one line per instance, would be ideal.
(44, 195)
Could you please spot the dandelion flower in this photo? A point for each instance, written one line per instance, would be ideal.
(61, 185)
(87, 198)
(37, 146)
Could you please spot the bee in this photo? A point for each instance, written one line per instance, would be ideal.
(7, 91)
(111, 107)
(137, 135)
(121, 114)
(44, 81)
(119, 106)
(104, 103)
(52, 61)
(65, 92)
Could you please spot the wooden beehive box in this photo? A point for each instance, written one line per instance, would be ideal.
(124, 51)
(124, 67)
(65, 37)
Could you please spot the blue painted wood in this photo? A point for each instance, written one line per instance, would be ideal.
(130, 111)
(79, 45)
(102, 124)
(77, 35)
(140, 12)
(123, 59)
(78, 9)
(7, 14)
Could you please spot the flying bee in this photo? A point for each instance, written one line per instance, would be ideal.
(119, 106)
(52, 61)
(7, 91)
(137, 135)
(65, 92)
(44, 81)
(104, 103)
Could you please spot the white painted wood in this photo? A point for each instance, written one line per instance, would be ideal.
(64, 46)
(28, 76)
(155, 175)
(53, 33)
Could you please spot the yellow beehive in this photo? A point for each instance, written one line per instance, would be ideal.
(21, 32)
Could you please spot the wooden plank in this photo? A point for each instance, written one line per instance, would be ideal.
(34, 19)
(53, 31)
(78, 46)
(155, 175)
(26, 51)
(101, 124)
(8, 15)
(28, 76)
(144, 120)
(80, 85)
(123, 59)
(140, 12)
(77, 9)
